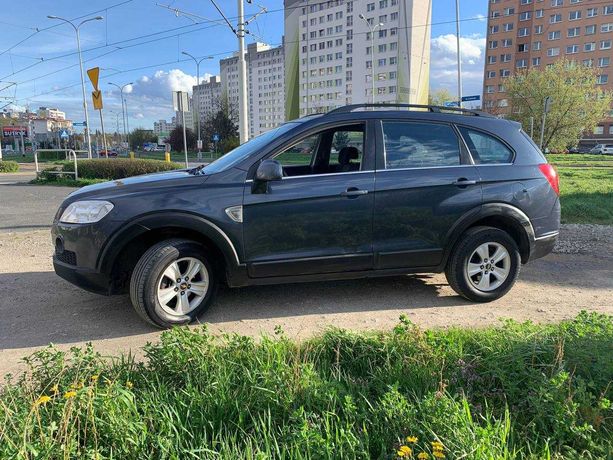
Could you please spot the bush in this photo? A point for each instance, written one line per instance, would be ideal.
(118, 168)
(8, 166)
(512, 392)
(52, 156)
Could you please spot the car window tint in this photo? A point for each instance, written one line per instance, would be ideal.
(419, 145)
(350, 140)
(486, 149)
(299, 154)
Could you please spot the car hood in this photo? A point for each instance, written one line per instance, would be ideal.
(137, 184)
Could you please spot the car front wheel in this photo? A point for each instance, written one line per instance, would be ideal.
(484, 265)
(172, 283)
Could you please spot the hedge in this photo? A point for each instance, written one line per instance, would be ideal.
(119, 168)
(53, 155)
(8, 166)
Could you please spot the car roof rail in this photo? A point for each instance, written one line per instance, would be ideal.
(429, 108)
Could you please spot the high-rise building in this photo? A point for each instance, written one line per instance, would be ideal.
(265, 86)
(524, 34)
(187, 116)
(206, 98)
(163, 127)
(331, 54)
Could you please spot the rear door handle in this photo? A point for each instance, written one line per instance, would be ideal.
(354, 192)
(461, 182)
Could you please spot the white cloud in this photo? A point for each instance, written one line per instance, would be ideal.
(480, 17)
(443, 67)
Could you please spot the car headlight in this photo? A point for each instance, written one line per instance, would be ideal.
(86, 212)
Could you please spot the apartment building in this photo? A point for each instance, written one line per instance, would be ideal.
(331, 53)
(265, 86)
(206, 97)
(524, 34)
(163, 127)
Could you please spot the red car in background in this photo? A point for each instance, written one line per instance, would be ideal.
(111, 153)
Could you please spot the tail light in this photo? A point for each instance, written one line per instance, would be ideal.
(552, 176)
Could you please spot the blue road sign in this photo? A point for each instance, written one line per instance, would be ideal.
(64, 134)
(79, 123)
(451, 104)
(215, 137)
(471, 98)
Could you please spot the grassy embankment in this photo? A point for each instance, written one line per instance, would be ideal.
(518, 391)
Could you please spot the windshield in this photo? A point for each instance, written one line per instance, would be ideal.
(245, 150)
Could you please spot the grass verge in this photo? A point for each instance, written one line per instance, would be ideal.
(66, 181)
(515, 391)
(586, 195)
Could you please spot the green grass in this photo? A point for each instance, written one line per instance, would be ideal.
(586, 195)
(583, 160)
(66, 182)
(518, 391)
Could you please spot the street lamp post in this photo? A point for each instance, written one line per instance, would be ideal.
(76, 28)
(198, 100)
(124, 111)
(372, 51)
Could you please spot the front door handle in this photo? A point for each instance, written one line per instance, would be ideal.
(352, 191)
(462, 181)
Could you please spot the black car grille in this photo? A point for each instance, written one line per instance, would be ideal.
(68, 257)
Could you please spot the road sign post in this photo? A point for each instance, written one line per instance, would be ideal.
(179, 101)
(94, 74)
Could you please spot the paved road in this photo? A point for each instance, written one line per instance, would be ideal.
(37, 307)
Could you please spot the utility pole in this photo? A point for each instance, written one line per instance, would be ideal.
(76, 28)
(124, 111)
(243, 123)
(546, 107)
(457, 27)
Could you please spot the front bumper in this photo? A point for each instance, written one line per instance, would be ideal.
(89, 280)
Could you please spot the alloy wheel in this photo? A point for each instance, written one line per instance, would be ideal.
(488, 266)
(183, 286)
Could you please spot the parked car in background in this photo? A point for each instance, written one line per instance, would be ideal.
(362, 191)
(602, 149)
(580, 149)
(111, 153)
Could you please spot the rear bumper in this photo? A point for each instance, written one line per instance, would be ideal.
(543, 245)
(86, 279)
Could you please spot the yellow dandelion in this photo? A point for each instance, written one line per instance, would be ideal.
(411, 439)
(437, 445)
(438, 454)
(129, 384)
(400, 453)
(407, 450)
(423, 456)
(70, 394)
(95, 378)
(55, 389)
(42, 400)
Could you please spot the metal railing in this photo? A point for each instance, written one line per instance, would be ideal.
(70, 154)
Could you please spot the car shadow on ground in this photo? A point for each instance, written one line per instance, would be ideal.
(38, 307)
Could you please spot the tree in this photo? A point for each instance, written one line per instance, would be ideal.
(578, 104)
(222, 124)
(140, 136)
(176, 139)
(440, 96)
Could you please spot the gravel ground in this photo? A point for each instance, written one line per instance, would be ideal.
(37, 307)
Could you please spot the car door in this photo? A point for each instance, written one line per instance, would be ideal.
(424, 183)
(318, 218)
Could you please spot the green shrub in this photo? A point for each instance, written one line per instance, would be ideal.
(8, 166)
(518, 391)
(53, 155)
(118, 168)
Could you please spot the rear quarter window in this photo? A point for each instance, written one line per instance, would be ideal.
(486, 149)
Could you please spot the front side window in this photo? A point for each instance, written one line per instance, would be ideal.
(419, 145)
(486, 149)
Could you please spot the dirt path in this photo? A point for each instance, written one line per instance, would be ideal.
(37, 307)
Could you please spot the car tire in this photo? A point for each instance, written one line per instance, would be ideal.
(470, 270)
(166, 302)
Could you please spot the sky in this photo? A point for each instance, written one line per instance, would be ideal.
(140, 42)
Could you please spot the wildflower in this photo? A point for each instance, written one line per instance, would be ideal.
(129, 384)
(438, 454)
(70, 394)
(423, 456)
(437, 445)
(42, 400)
(404, 451)
(55, 389)
(95, 378)
(411, 439)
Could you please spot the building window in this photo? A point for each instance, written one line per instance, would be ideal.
(590, 30)
(574, 32)
(591, 12)
(604, 28)
(589, 46)
(607, 9)
(602, 79)
(555, 18)
(539, 13)
(491, 74)
(525, 15)
(553, 52)
(554, 35)
(536, 61)
(557, 2)
(599, 130)
(588, 62)
(536, 46)
(574, 15)
(538, 30)
(523, 32)
(522, 48)
(604, 61)
(572, 49)
(521, 63)
(507, 43)
(508, 27)
(605, 45)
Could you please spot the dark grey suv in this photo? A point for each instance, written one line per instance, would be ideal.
(357, 192)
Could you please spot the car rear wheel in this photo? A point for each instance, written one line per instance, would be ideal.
(484, 265)
(173, 283)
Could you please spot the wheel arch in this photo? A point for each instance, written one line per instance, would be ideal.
(503, 216)
(123, 249)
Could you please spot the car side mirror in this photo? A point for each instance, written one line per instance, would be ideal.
(268, 170)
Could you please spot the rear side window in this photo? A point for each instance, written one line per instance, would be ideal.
(419, 145)
(486, 149)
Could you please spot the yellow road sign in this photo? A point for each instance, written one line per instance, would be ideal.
(93, 75)
(97, 98)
